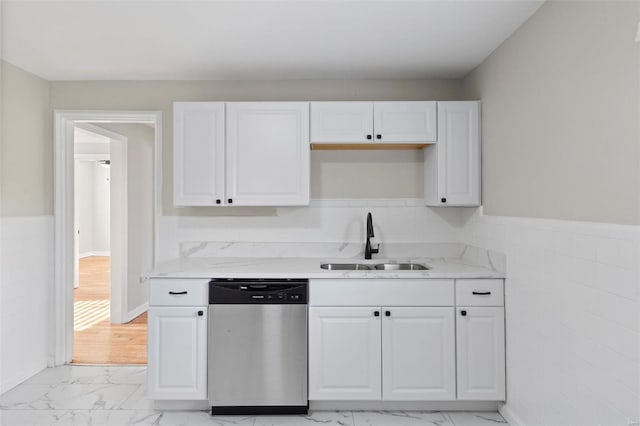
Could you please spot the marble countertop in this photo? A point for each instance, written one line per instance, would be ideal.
(456, 262)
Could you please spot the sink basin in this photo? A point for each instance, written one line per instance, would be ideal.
(400, 267)
(345, 266)
(377, 266)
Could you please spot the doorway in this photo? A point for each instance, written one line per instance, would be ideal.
(100, 257)
(103, 331)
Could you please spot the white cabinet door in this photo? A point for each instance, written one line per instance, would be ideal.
(177, 361)
(267, 153)
(418, 353)
(342, 122)
(481, 353)
(404, 122)
(344, 353)
(198, 153)
(452, 166)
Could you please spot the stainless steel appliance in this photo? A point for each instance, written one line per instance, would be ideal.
(257, 346)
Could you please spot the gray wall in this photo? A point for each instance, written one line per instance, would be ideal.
(560, 115)
(26, 162)
(363, 174)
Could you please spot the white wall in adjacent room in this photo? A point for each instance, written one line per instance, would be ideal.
(101, 209)
(83, 197)
(92, 196)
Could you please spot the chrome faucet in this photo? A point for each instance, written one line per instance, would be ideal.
(368, 251)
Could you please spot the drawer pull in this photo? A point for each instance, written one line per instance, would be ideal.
(176, 293)
(481, 293)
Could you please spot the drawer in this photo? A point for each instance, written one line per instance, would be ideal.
(178, 292)
(479, 293)
(380, 292)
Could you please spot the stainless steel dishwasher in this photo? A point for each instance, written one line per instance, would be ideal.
(257, 346)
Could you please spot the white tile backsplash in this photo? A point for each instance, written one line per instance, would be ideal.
(333, 222)
(26, 265)
(573, 319)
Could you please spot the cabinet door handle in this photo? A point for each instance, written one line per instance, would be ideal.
(387, 313)
(176, 293)
(369, 137)
(481, 293)
(463, 313)
(218, 201)
(378, 136)
(444, 200)
(230, 200)
(376, 313)
(200, 313)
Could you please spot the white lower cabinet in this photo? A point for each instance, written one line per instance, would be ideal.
(451, 350)
(177, 339)
(177, 353)
(344, 353)
(389, 353)
(418, 354)
(481, 353)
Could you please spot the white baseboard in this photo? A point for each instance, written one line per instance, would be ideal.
(181, 405)
(137, 311)
(18, 378)
(403, 405)
(94, 253)
(511, 417)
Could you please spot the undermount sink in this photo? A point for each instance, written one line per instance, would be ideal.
(345, 266)
(375, 266)
(400, 267)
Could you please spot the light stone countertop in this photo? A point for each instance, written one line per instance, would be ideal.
(458, 261)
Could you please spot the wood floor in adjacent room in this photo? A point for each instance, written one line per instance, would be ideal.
(96, 340)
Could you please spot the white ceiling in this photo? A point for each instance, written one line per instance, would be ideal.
(268, 39)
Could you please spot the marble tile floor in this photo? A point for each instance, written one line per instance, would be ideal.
(116, 396)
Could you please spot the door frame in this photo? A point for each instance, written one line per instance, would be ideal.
(61, 333)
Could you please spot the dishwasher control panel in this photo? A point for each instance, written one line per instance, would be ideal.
(224, 291)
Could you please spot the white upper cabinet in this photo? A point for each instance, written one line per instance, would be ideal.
(373, 122)
(404, 122)
(452, 165)
(267, 156)
(241, 153)
(198, 153)
(341, 122)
